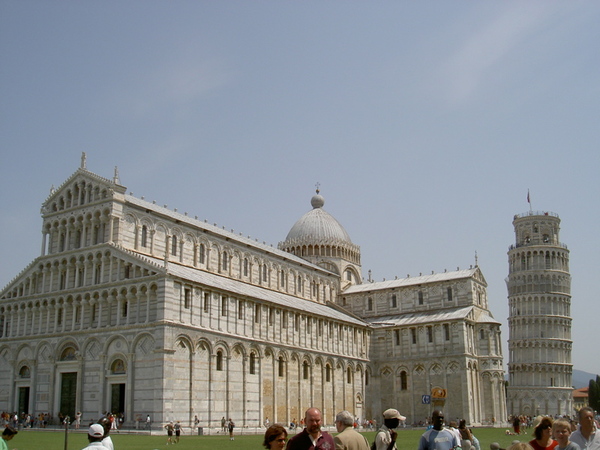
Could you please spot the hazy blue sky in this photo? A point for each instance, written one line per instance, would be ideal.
(424, 122)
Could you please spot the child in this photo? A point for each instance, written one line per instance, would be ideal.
(561, 429)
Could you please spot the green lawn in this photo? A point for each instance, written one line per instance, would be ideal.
(55, 440)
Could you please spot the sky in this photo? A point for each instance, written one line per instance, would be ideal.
(424, 123)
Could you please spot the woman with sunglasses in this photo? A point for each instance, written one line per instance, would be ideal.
(542, 430)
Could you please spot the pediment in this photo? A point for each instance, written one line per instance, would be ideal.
(478, 275)
(81, 187)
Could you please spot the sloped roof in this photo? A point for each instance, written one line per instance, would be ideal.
(421, 317)
(411, 281)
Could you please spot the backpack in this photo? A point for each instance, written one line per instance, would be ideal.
(374, 444)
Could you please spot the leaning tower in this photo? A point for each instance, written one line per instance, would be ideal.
(539, 322)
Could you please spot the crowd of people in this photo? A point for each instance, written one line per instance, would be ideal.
(548, 433)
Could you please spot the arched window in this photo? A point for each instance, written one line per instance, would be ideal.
(370, 304)
(246, 267)
(219, 360)
(349, 375)
(280, 371)
(305, 370)
(25, 372)
(174, 246)
(403, 381)
(252, 363)
(327, 372)
(449, 291)
(124, 308)
(265, 273)
(202, 254)
(225, 261)
(420, 297)
(394, 301)
(144, 236)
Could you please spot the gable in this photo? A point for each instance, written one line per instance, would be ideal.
(83, 187)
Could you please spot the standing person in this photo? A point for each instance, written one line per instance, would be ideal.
(177, 427)
(196, 422)
(169, 427)
(230, 427)
(587, 436)
(275, 437)
(466, 437)
(561, 430)
(311, 438)
(542, 430)
(77, 420)
(148, 422)
(107, 441)
(113, 422)
(223, 424)
(385, 439)
(8, 433)
(437, 437)
(348, 438)
(95, 436)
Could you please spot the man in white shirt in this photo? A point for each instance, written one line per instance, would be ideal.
(587, 436)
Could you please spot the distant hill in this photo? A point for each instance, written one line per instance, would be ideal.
(582, 379)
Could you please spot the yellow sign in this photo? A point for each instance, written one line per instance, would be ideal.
(438, 392)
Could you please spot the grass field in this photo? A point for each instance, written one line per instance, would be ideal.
(408, 439)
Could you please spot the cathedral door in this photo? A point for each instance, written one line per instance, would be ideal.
(24, 399)
(117, 398)
(68, 393)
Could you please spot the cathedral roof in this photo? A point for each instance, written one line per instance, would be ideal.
(421, 317)
(317, 226)
(422, 279)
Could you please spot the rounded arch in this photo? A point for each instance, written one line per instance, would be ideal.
(116, 344)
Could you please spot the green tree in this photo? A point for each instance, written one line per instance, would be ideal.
(594, 393)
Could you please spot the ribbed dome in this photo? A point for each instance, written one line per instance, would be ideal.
(318, 226)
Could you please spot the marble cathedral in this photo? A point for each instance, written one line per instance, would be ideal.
(137, 309)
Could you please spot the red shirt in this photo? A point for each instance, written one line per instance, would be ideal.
(537, 446)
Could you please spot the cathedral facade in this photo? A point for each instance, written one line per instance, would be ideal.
(137, 309)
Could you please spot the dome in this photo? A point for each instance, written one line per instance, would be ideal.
(317, 226)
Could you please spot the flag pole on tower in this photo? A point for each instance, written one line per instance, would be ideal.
(529, 200)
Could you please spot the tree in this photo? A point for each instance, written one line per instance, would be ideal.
(594, 393)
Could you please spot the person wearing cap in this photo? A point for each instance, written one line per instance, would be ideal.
(95, 436)
(107, 441)
(385, 439)
(348, 438)
(311, 437)
(438, 437)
